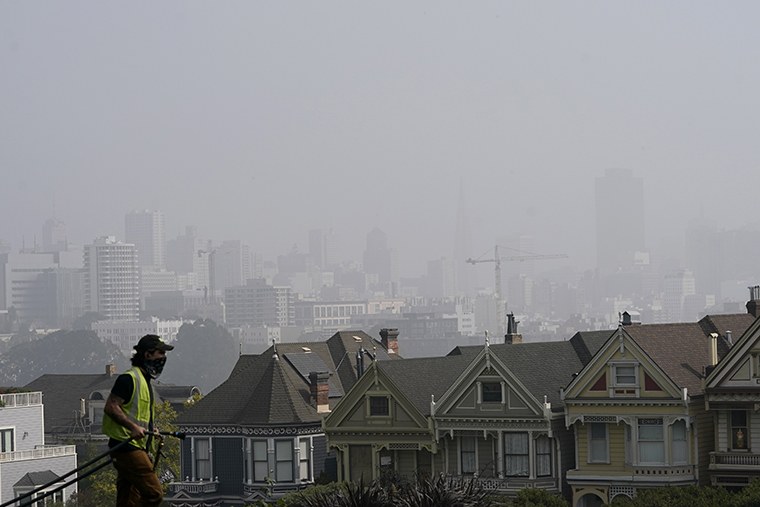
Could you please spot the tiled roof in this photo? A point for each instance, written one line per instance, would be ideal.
(33, 479)
(542, 367)
(420, 378)
(262, 391)
(681, 350)
(61, 394)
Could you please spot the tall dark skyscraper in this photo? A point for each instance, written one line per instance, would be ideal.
(378, 258)
(465, 280)
(619, 220)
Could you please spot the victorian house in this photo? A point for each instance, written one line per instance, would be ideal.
(638, 408)
(732, 398)
(491, 412)
(259, 434)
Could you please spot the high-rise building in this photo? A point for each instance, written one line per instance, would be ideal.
(145, 230)
(679, 288)
(231, 263)
(321, 246)
(380, 260)
(187, 254)
(465, 280)
(54, 236)
(619, 220)
(112, 279)
(257, 303)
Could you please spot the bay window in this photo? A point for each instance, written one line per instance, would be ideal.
(517, 454)
(651, 441)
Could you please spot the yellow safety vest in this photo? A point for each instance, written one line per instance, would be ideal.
(138, 408)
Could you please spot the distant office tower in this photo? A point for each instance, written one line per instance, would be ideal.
(188, 253)
(465, 273)
(54, 236)
(439, 280)
(679, 288)
(231, 264)
(145, 230)
(321, 246)
(257, 303)
(379, 259)
(41, 292)
(619, 220)
(112, 279)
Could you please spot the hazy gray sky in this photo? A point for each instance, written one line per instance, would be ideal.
(261, 120)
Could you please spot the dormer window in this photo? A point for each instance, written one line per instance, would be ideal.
(626, 380)
(491, 392)
(379, 406)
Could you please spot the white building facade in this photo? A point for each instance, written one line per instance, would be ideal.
(126, 334)
(112, 279)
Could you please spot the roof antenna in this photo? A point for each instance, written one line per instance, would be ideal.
(275, 356)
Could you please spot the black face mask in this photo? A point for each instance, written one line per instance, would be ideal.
(154, 367)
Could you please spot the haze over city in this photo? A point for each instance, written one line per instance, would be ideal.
(262, 121)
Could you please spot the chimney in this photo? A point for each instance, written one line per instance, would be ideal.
(713, 349)
(730, 338)
(111, 370)
(630, 318)
(753, 305)
(512, 335)
(389, 339)
(320, 391)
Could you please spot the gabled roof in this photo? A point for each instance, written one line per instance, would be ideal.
(419, 379)
(738, 354)
(264, 391)
(680, 350)
(33, 479)
(542, 367)
(61, 394)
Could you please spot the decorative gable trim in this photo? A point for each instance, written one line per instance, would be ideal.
(604, 362)
(736, 357)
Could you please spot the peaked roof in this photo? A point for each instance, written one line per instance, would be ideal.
(419, 379)
(33, 479)
(266, 391)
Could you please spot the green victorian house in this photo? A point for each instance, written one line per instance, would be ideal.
(489, 412)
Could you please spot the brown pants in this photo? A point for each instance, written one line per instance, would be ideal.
(136, 483)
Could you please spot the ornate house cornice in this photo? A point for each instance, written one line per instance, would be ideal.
(244, 431)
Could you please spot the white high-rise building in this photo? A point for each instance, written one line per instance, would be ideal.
(112, 279)
(145, 230)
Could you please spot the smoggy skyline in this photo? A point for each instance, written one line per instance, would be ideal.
(260, 122)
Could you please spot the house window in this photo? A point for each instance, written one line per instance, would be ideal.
(543, 456)
(651, 441)
(283, 452)
(739, 437)
(305, 459)
(517, 454)
(625, 375)
(680, 445)
(491, 392)
(260, 461)
(202, 451)
(598, 448)
(6, 440)
(379, 406)
(467, 455)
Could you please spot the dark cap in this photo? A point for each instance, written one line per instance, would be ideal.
(152, 342)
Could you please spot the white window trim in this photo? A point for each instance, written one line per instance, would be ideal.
(369, 405)
(459, 453)
(606, 459)
(13, 431)
(210, 458)
(665, 450)
(614, 385)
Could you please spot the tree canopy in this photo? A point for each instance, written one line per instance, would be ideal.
(58, 352)
(204, 356)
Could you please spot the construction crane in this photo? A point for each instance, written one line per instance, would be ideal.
(497, 260)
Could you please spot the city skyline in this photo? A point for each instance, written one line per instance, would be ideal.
(262, 122)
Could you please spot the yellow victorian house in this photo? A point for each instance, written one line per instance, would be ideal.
(638, 410)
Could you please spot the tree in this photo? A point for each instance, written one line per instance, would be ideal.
(204, 356)
(59, 352)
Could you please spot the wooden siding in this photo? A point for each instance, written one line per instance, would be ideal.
(705, 444)
(228, 464)
(616, 442)
(487, 457)
(406, 463)
(360, 463)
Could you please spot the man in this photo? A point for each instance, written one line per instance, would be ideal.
(129, 415)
